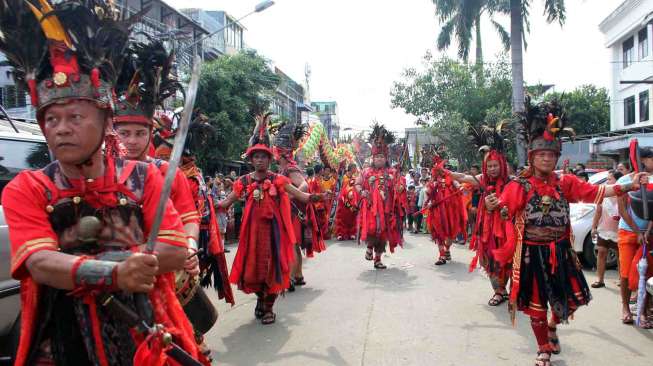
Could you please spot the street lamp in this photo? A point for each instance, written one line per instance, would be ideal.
(257, 9)
(263, 5)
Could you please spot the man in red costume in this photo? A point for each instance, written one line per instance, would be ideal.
(347, 206)
(145, 82)
(378, 218)
(267, 238)
(133, 122)
(488, 234)
(444, 205)
(77, 227)
(535, 207)
(305, 224)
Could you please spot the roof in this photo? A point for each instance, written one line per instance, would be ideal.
(619, 14)
(625, 6)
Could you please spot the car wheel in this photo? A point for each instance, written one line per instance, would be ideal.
(612, 260)
(589, 257)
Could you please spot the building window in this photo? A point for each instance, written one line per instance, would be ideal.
(643, 106)
(629, 111)
(642, 43)
(628, 52)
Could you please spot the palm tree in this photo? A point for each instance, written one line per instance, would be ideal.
(462, 19)
(519, 12)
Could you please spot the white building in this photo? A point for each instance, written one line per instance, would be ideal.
(629, 36)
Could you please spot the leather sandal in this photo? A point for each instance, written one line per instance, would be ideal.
(368, 254)
(497, 299)
(441, 261)
(379, 265)
(268, 318)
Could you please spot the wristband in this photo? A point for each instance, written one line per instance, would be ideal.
(92, 274)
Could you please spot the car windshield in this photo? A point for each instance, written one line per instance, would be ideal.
(16, 156)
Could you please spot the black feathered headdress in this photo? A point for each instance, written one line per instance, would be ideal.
(199, 130)
(72, 50)
(286, 137)
(543, 125)
(488, 137)
(145, 82)
(380, 138)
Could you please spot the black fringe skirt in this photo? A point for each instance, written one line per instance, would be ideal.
(551, 277)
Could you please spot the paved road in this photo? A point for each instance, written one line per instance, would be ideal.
(412, 313)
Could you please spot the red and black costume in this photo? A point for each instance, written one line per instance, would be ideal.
(262, 263)
(545, 270)
(44, 211)
(144, 84)
(101, 221)
(488, 234)
(308, 232)
(265, 247)
(378, 219)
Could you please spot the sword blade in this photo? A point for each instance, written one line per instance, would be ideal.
(175, 156)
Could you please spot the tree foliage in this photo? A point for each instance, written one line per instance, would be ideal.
(461, 19)
(448, 97)
(232, 90)
(588, 108)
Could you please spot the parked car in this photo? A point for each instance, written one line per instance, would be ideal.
(18, 151)
(581, 215)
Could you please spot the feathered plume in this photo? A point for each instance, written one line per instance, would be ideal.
(380, 135)
(489, 137)
(546, 119)
(286, 135)
(98, 34)
(199, 131)
(146, 78)
(24, 50)
(261, 135)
